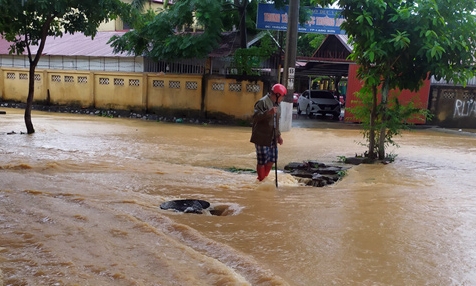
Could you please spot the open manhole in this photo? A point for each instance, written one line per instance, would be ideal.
(197, 207)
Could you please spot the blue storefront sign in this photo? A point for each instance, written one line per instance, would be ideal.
(321, 21)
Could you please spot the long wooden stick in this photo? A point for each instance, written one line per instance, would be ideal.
(275, 150)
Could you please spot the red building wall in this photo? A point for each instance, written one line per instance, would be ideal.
(420, 98)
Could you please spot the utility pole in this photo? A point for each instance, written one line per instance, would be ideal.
(290, 65)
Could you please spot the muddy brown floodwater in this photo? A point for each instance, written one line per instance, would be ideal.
(79, 205)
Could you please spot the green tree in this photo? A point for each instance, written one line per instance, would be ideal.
(167, 35)
(248, 61)
(307, 44)
(162, 36)
(398, 44)
(27, 23)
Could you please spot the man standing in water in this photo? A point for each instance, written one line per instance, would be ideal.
(265, 132)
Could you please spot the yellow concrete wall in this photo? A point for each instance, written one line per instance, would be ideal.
(72, 87)
(124, 91)
(182, 92)
(14, 84)
(150, 92)
(232, 97)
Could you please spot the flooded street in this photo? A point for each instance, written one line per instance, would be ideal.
(79, 205)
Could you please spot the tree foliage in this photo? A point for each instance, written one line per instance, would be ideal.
(398, 44)
(307, 44)
(168, 35)
(248, 61)
(27, 23)
(399, 117)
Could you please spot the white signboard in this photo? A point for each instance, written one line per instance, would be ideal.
(290, 83)
(291, 72)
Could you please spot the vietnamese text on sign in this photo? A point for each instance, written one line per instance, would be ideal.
(322, 20)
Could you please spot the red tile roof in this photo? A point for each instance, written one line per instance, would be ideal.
(74, 45)
(80, 45)
(4, 45)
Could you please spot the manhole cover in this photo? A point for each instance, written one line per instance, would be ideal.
(200, 207)
(186, 206)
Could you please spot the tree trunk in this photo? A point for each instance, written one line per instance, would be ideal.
(33, 63)
(373, 118)
(383, 127)
(243, 31)
(29, 100)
